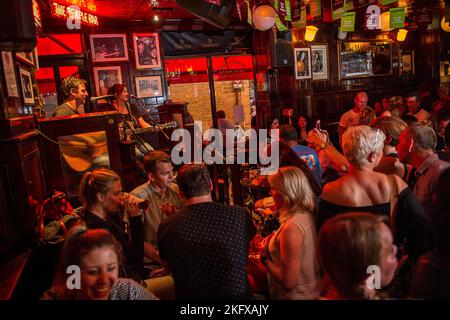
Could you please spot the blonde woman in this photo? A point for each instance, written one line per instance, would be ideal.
(289, 255)
(364, 190)
(350, 245)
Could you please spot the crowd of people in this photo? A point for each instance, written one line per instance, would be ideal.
(377, 228)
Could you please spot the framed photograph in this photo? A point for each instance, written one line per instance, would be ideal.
(106, 77)
(407, 62)
(27, 86)
(150, 86)
(303, 63)
(10, 74)
(26, 57)
(364, 59)
(146, 50)
(319, 64)
(108, 47)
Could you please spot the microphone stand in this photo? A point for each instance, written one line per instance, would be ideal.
(152, 120)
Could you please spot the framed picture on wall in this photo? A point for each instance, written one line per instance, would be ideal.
(10, 74)
(106, 77)
(27, 86)
(108, 47)
(407, 62)
(150, 86)
(303, 63)
(146, 50)
(319, 61)
(26, 57)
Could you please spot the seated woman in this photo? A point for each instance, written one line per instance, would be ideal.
(364, 190)
(102, 199)
(98, 255)
(304, 126)
(289, 255)
(132, 118)
(353, 246)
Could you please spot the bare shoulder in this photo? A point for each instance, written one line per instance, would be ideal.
(401, 185)
(334, 189)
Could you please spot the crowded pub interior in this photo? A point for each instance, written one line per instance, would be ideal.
(224, 149)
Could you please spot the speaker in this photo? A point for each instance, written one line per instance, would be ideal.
(17, 30)
(283, 52)
(217, 15)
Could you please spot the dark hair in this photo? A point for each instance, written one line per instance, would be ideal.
(221, 114)
(153, 158)
(116, 89)
(444, 115)
(94, 182)
(78, 243)
(288, 133)
(309, 122)
(413, 94)
(288, 157)
(271, 120)
(194, 180)
(409, 119)
(69, 84)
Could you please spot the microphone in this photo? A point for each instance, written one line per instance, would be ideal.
(107, 97)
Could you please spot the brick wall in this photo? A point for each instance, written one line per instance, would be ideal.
(197, 95)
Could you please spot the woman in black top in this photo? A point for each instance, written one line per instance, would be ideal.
(103, 203)
(364, 190)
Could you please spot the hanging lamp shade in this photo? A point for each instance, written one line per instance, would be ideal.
(310, 33)
(264, 17)
(445, 25)
(401, 35)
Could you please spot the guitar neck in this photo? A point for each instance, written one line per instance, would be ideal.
(169, 125)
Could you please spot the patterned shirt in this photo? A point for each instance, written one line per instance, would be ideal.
(124, 289)
(206, 247)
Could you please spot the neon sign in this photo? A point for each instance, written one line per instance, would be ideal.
(37, 16)
(84, 4)
(73, 12)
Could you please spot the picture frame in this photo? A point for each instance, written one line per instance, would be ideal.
(147, 53)
(407, 62)
(363, 59)
(319, 61)
(303, 63)
(10, 74)
(27, 86)
(108, 47)
(106, 77)
(149, 86)
(26, 57)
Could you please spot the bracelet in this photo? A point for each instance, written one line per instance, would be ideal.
(323, 145)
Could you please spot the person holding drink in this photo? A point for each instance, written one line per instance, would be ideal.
(105, 206)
